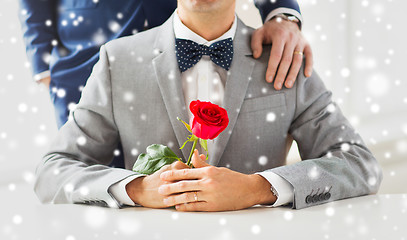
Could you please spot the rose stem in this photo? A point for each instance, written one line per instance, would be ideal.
(192, 152)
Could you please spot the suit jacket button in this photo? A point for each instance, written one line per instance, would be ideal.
(321, 197)
(308, 199)
(327, 196)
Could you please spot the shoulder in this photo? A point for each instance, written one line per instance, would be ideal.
(138, 42)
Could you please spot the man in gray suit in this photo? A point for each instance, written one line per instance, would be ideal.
(138, 89)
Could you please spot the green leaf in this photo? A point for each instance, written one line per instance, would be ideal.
(157, 156)
(186, 125)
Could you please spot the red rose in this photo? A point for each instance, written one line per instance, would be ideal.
(208, 119)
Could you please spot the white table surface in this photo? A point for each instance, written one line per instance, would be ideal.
(369, 217)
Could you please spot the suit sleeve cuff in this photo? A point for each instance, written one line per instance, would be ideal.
(284, 190)
(41, 75)
(118, 190)
(286, 11)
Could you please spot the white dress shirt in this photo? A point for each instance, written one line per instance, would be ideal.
(205, 81)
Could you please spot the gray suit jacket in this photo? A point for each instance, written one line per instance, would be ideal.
(135, 95)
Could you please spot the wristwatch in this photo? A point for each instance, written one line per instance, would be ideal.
(289, 17)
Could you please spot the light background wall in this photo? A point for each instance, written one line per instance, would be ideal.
(358, 50)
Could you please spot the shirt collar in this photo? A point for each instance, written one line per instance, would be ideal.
(183, 32)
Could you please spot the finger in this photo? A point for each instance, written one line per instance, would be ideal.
(182, 174)
(178, 165)
(179, 187)
(197, 161)
(256, 43)
(187, 197)
(294, 69)
(284, 66)
(193, 207)
(275, 57)
(309, 61)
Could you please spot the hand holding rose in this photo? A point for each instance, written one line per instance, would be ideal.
(217, 189)
(203, 188)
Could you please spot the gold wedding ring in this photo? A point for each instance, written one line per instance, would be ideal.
(298, 52)
(196, 196)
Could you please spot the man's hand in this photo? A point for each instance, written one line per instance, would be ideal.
(45, 81)
(208, 188)
(288, 47)
(144, 190)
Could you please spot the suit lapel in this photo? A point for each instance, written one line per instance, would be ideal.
(169, 80)
(236, 86)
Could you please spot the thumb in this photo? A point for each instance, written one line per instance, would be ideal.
(198, 161)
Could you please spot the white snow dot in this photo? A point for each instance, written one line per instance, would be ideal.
(3, 135)
(72, 15)
(28, 177)
(69, 187)
(263, 160)
(11, 187)
(54, 42)
(170, 144)
(331, 108)
(116, 152)
(143, 117)
(222, 221)
(264, 90)
(81, 140)
(345, 72)
(372, 181)
(64, 23)
(271, 117)
(128, 225)
(72, 106)
(375, 108)
(401, 146)
(134, 152)
(256, 229)
(57, 171)
(128, 96)
(114, 26)
(378, 85)
(95, 217)
(345, 147)
(17, 219)
(288, 215)
(330, 211)
(41, 140)
(84, 191)
(48, 23)
(119, 15)
(22, 107)
(61, 93)
(70, 237)
(80, 19)
(174, 216)
(313, 173)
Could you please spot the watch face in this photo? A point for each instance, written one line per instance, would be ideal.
(292, 18)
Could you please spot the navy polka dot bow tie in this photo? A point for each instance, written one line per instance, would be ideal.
(189, 53)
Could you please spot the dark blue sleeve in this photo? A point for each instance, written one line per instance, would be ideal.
(267, 6)
(37, 34)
